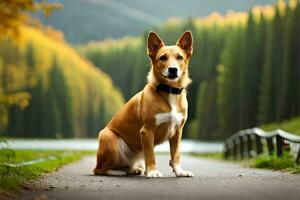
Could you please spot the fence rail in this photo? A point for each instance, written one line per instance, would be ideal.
(249, 143)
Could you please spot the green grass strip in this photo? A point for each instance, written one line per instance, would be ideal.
(285, 163)
(12, 178)
(265, 161)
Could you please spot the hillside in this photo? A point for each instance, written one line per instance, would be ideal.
(69, 96)
(86, 20)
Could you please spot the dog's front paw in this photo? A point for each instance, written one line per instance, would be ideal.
(183, 173)
(154, 174)
(180, 172)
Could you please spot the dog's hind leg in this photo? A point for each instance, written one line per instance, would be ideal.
(108, 154)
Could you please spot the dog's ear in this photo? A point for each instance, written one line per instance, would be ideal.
(186, 43)
(154, 44)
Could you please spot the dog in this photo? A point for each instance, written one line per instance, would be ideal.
(154, 115)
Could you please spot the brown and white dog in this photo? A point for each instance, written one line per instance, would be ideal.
(154, 115)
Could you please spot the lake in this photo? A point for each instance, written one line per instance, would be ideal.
(187, 146)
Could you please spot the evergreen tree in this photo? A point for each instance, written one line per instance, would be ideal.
(51, 115)
(206, 114)
(59, 88)
(101, 113)
(272, 71)
(251, 68)
(11, 59)
(37, 102)
(92, 115)
(295, 62)
(285, 95)
(229, 91)
(31, 76)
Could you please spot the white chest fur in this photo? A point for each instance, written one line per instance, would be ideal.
(174, 117)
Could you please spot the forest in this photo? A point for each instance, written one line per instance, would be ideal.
(46, 88)
(245, 67)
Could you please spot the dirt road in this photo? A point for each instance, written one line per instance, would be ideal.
(213, 180)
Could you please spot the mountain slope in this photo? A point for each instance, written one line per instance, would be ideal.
(86, 20)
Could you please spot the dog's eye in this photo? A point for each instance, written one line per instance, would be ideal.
(163, 58)
(179, 57)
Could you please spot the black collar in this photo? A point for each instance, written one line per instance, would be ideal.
(168, 89)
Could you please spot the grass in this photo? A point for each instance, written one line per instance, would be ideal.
(285, 163)
(217, 156)
(13, 178)
(273, 162)
(291, 126)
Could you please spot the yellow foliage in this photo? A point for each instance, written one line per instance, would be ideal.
(20, 99)
(112, 43)
(14, 12)
(53, 33)
(232, 18)
(174, 21)
(293, 3)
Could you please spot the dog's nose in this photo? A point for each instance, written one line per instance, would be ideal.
(172, 70)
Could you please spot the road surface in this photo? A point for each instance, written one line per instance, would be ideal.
(213, 180)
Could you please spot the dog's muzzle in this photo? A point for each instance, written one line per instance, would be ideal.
(172, 72)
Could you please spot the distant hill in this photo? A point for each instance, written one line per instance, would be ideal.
(86, 20)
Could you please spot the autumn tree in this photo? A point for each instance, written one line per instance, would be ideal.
(15, 12)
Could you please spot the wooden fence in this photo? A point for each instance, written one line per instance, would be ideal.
(249, 143)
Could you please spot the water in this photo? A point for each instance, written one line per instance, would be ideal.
(187, 146)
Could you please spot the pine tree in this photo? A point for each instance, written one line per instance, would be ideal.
(37, 102)
(101, 113)
(285, 96)
(272, 71)
(251, 68)
(58, 86)
(229, 91)
(11, 59)
(31, 76)
(206, 114)
(294, 85)
(92, 122)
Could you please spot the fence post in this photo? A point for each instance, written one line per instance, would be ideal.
(231, 151)
(279, 145)
(249, 145)
(270, 145)
(226, 150)
(234, 149)
(298, 156)
(241, 138)
(258, 145)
